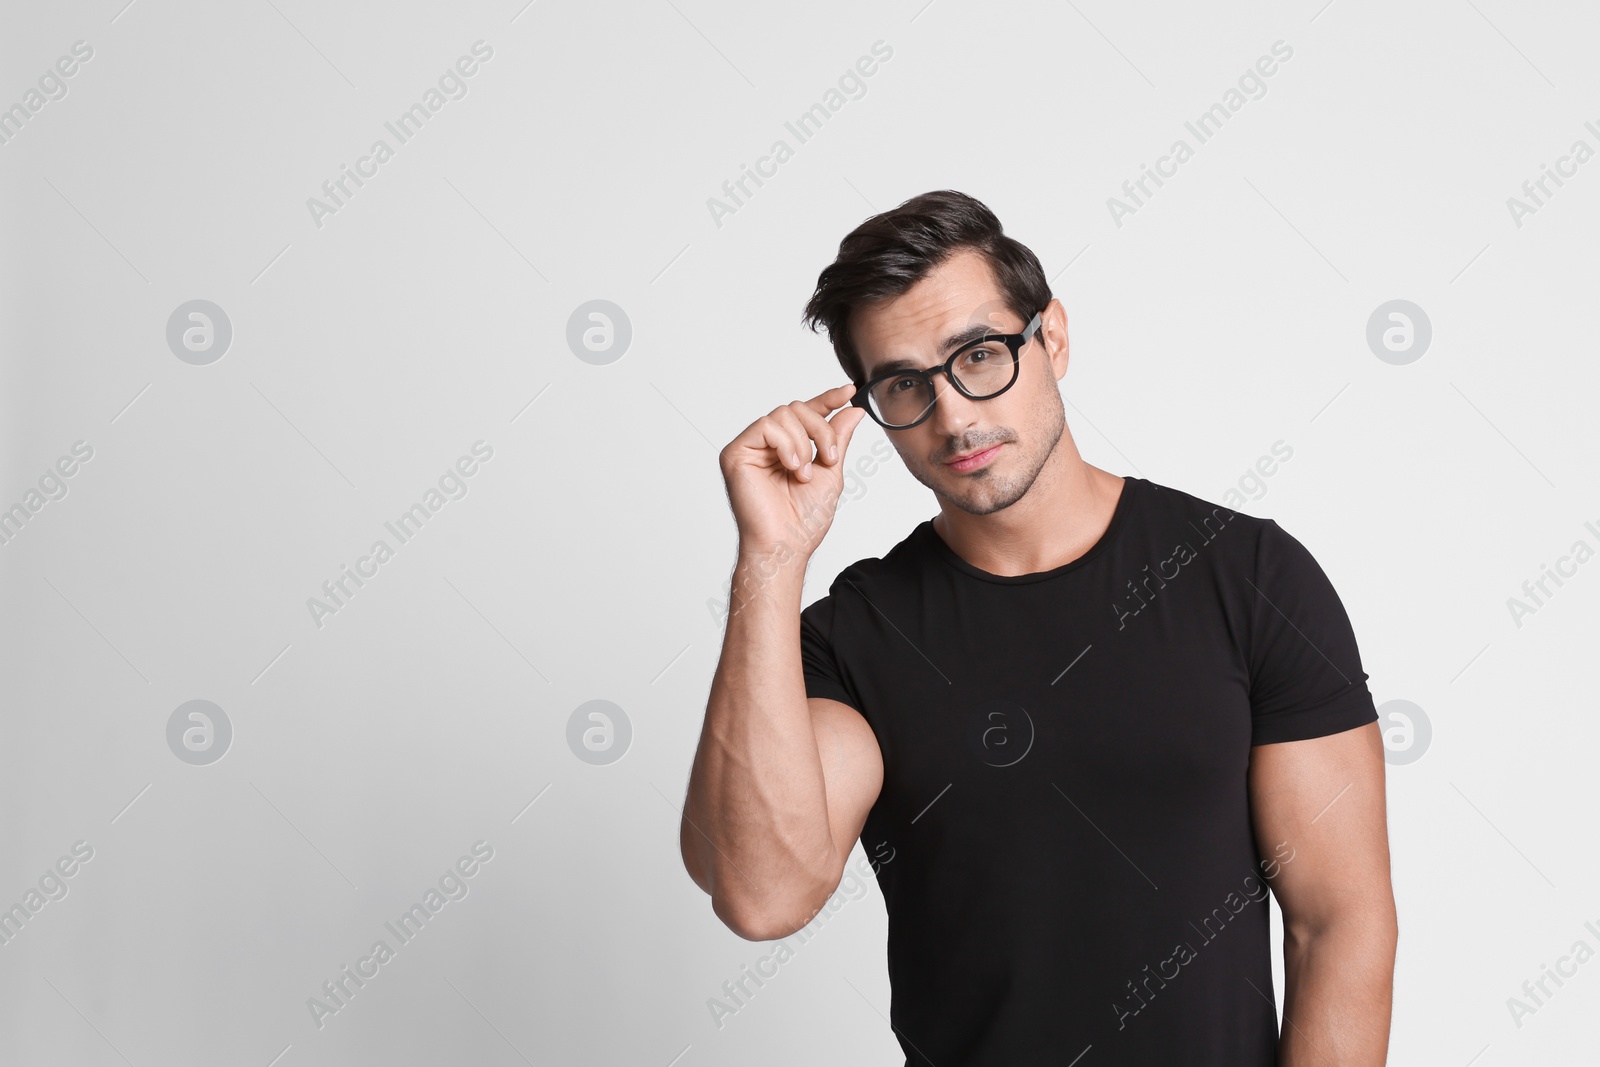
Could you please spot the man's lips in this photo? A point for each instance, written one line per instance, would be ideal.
(969, 459)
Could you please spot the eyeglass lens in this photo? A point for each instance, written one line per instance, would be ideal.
(983, 370)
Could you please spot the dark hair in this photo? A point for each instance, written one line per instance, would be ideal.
(890, 252)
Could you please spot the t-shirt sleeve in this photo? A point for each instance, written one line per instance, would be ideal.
(1305, 669)
(817, 660)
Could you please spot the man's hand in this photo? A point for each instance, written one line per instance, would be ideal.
(783, 495)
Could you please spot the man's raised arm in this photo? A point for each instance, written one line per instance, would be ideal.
(781, 784)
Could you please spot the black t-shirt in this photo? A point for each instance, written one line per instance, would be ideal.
(1063, 839)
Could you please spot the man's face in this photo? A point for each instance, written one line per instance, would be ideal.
(1025, 422)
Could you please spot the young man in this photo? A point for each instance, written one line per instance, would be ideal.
(1089, 719)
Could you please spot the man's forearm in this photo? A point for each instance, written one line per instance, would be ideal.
(1339, 985)
(756, 821)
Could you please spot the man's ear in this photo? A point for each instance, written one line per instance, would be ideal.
(1053, 327)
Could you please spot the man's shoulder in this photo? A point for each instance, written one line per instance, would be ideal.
(1253, 545)
(1167, 500)
(871, 577)
(1171, 512)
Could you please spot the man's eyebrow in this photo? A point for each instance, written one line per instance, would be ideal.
(950, 344)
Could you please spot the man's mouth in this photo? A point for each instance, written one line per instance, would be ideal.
(973, 460)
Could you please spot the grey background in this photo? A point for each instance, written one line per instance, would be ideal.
(584, 562)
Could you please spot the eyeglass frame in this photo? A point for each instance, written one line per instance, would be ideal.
(1013, 341)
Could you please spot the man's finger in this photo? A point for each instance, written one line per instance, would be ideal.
(837, 397)
(844, 429)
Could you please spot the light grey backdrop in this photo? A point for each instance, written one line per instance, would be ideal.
(374, 340)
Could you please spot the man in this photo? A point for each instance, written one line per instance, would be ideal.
(1091, 718)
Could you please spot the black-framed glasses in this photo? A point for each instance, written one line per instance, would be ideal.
(979, 370)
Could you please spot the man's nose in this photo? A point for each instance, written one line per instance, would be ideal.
(952, 412)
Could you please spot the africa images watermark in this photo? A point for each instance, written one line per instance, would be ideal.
(1253, 482)
(1580, 953)
(453, 885)
(52, 886)
(1251, 486)
(1184, 953)
(1204, 127)
(52, 486)
(52, 86)
(805, 126)
(853, 886)
(1566, 167)
(1566, 566)
(452, 485)
(854, 488)
(452, 85)
(1141, 595)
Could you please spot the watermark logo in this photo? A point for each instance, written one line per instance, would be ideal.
(738, 992)
(52, 886)
(451, 485)
(1251, 86)
(1399, 332)
(1210, 928)
(1536, 191)
(52, 486)
(452, 85)
(1565, 567)
(852, 85)
(453, 885)
(599, 732)
(1000, 733)
(1407, 733)
(1252, 484)
(199, 732)
(1144, 592)
(52, 86)
(199, 332)
(854, 476)
(1566, 967)
(599, 332)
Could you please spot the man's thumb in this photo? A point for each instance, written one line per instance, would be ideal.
(845, 424)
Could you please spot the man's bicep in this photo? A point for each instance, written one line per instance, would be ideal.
(1318, 808)
(852, 770)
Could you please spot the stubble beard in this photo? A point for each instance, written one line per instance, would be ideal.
(987, 491)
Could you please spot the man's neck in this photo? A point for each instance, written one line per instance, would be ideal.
(1060, 518)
